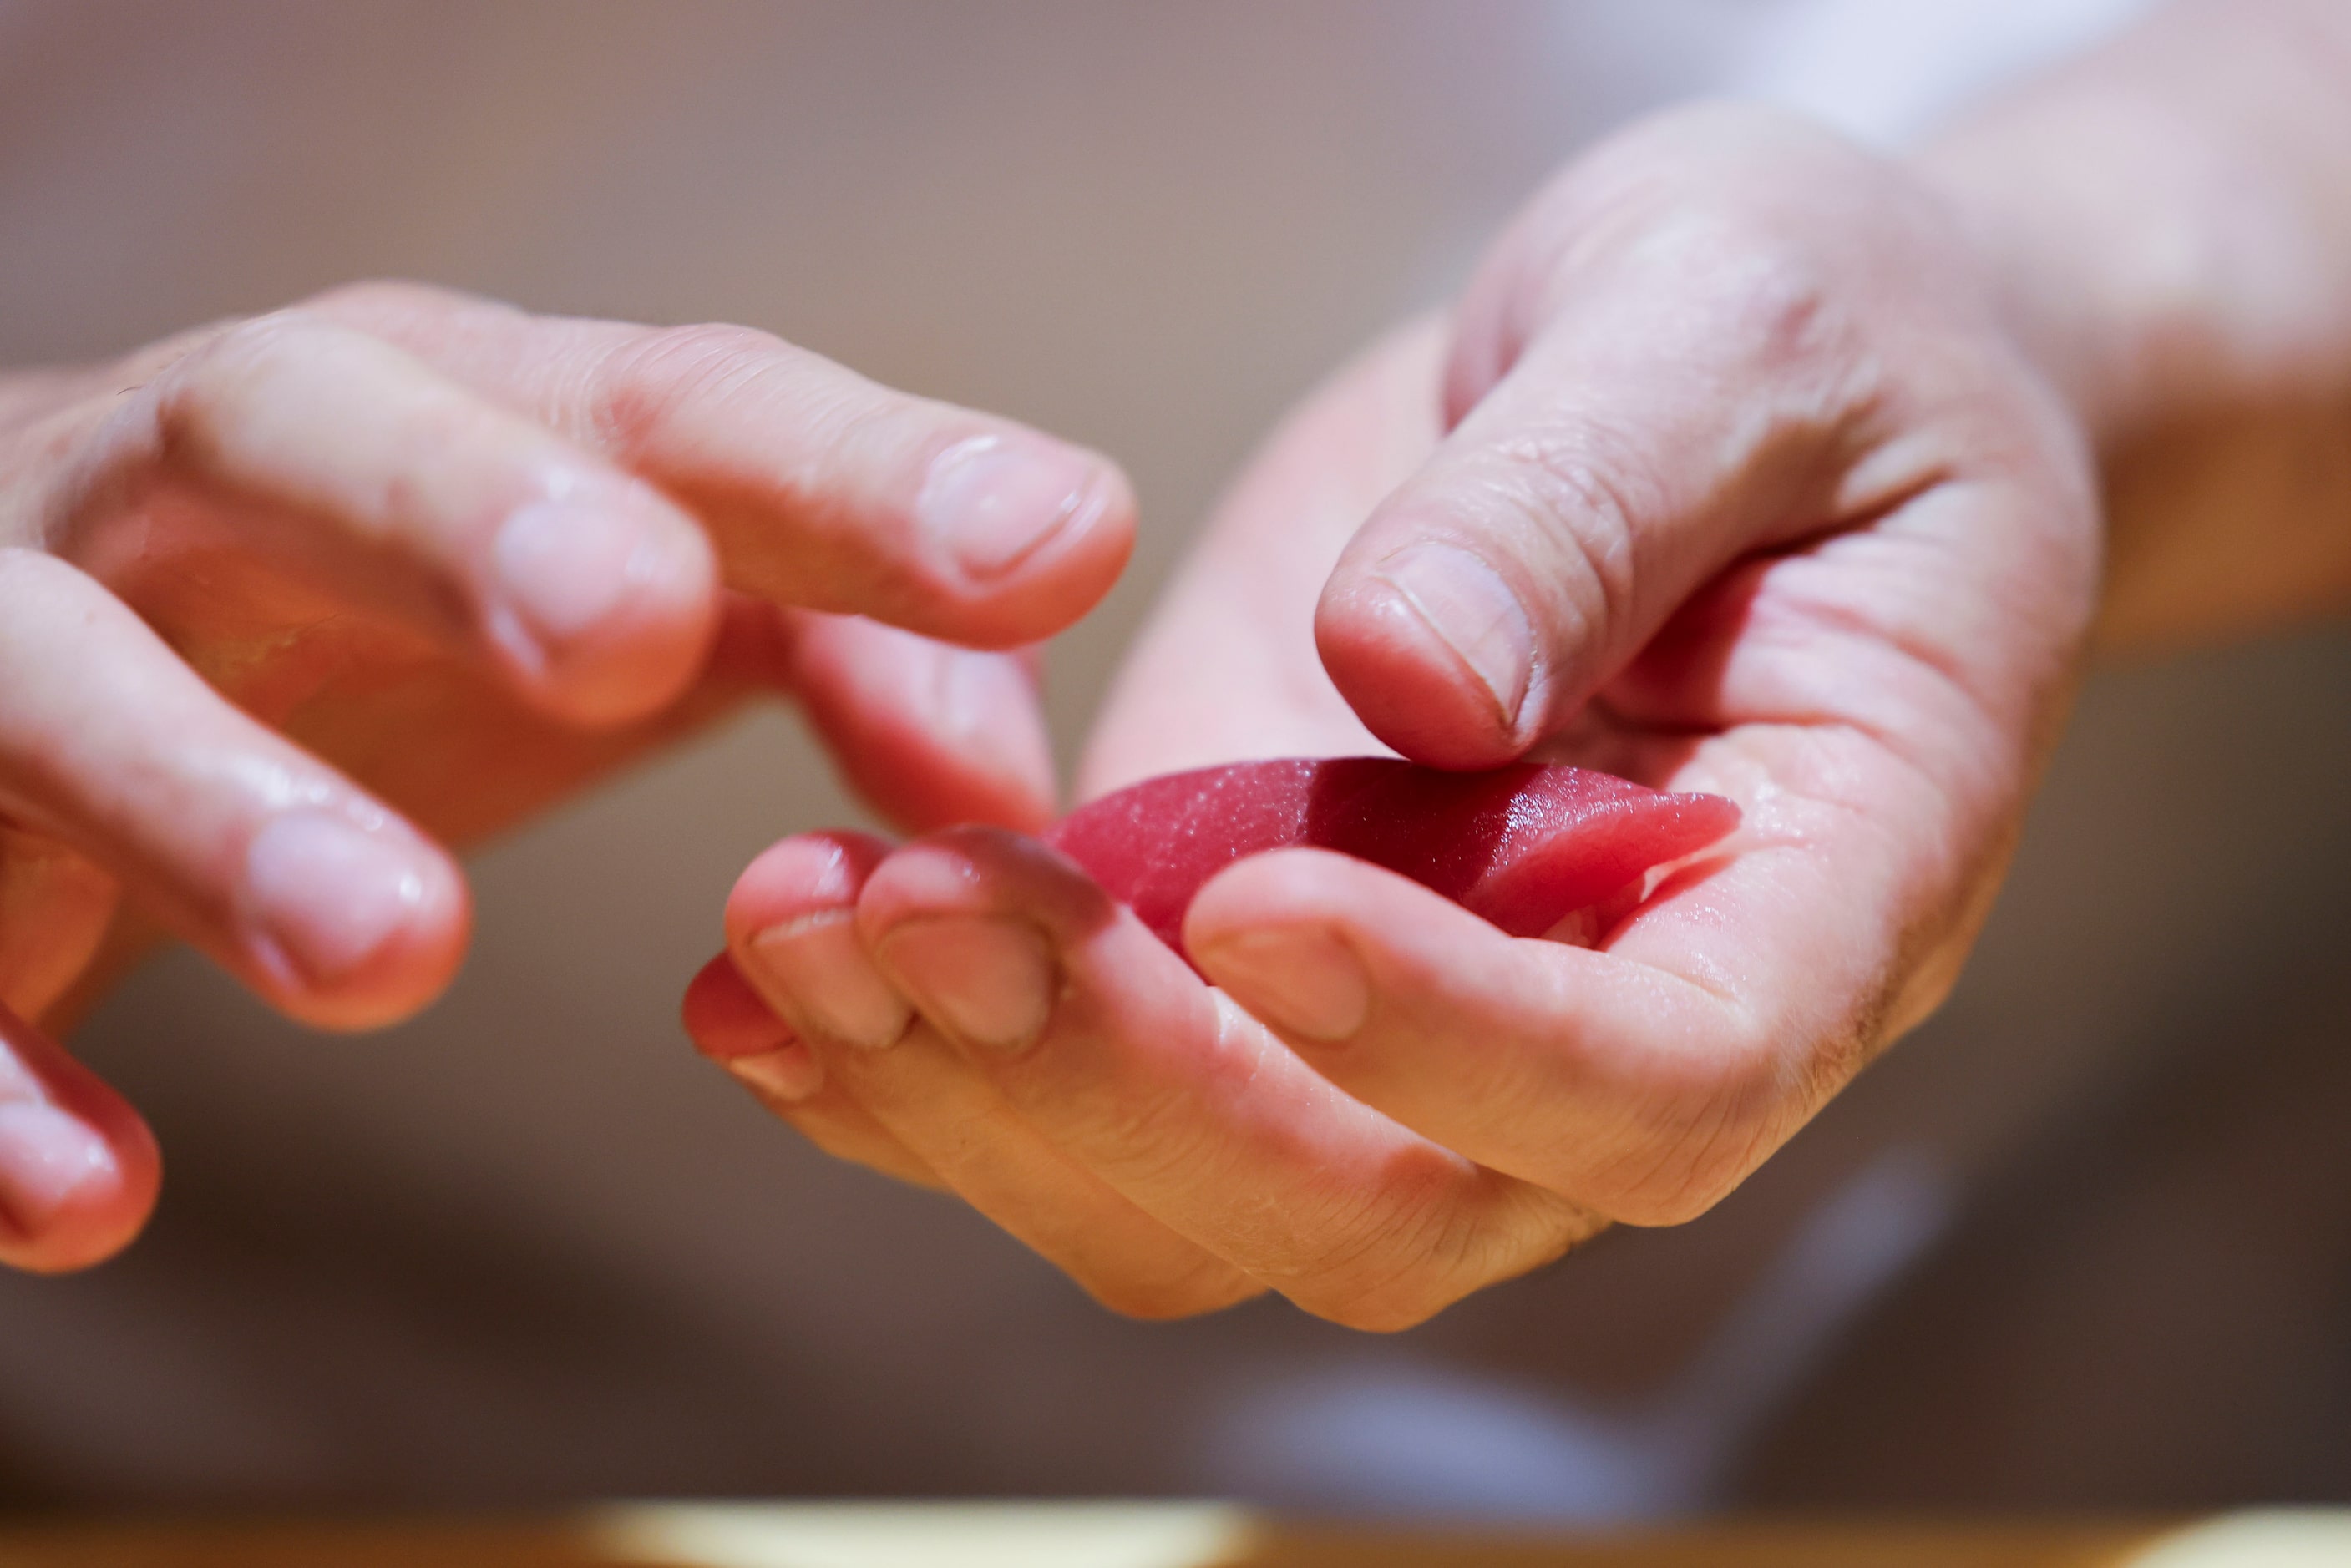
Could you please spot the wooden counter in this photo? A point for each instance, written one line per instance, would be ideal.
(1115, 1535)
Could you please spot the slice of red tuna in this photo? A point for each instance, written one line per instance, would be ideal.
(1523, 846)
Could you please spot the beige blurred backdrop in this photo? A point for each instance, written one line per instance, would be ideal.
(529, 1247)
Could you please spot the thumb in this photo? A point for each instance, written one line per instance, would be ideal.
(1663, 421)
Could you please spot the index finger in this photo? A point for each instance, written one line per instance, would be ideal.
(821, 488)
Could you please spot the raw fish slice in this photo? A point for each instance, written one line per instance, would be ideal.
(1523, 846)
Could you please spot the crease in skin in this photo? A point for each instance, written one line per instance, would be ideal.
(1232, 1016)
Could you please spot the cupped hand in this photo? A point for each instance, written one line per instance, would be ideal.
(292, 606)
(1725, 475)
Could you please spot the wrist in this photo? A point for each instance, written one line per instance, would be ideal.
(2043, 231)
(2164, 223)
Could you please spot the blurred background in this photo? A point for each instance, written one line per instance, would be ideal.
(2084, 1240)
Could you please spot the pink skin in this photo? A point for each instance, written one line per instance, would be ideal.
(1725, 477)
(290, 608)
(78, 1170)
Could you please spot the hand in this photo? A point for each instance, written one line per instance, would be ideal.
(1724, 476)
(291, 607)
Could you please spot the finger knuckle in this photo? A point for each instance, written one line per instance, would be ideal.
(710, 348)
(1722, 227)
(376, 298)
(1746, 296)
(647, 377)
(218, 384)
(1581, 490)
(1778, 314)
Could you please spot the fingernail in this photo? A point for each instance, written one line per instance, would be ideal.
(1305, 983)
(790, 1074)
(994, 501)
(45, 1157)
(988, 980)
(328, 893)
(814, 971)
(1473, 612)
(565, 567)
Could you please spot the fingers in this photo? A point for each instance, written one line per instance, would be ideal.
(316, 895)
(793, 929)
(821, 489)
(496, 498)
(926, 732)
(340, 456)
(78, 1168)
(1102, 1041)
(728, 1023)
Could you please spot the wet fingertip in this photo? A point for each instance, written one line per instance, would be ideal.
(607, 602)
(46, 1158)
(74, 1189)
(353, 924)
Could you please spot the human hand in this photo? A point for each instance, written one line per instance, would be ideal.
(290, 607)
(1725, 476)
